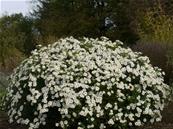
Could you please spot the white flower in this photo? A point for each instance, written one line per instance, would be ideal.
(79, 128)
(57, 124)
(102, 126)
(111, 122)
(138, 123)
(92, 119)
(108, 105)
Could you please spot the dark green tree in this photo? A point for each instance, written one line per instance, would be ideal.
(91, 18)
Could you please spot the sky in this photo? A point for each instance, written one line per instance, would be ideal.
(15, 6)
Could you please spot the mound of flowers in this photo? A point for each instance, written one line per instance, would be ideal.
(83, 84)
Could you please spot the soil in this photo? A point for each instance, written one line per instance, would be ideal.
(167, 121)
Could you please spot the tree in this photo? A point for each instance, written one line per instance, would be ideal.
(16, 39)
(91, 18)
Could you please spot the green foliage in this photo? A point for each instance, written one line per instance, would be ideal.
(154, 22)
(78, 18)
(16, 40)
(156, 26)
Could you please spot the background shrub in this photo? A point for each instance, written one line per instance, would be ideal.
(154, 25)
(155, 29)
(87, 83)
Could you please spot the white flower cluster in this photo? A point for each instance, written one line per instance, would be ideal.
(83, 84)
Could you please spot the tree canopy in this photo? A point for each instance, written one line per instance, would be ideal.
(91, 18)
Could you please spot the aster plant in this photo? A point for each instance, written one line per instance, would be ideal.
(86, 84)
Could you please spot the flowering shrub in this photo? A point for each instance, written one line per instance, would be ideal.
(161, 50)
(87, 83)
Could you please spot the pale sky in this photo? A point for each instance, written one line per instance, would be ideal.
(15, 6)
